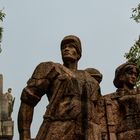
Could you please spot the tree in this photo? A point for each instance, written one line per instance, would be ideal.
(134, 56)
(136, 13)
(134, 53)
(2, 15)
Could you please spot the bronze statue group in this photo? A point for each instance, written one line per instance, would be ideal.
(77, 110)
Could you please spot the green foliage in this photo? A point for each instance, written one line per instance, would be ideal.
(134, 53)
(1, 30)
(136, 13)
(2, 16)
(134, 56)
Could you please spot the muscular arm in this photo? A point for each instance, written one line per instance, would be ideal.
(24, 121)
(37, 86)
(28, 101)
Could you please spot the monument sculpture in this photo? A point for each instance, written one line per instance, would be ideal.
(73, 96)
(11, 101)
(76, 109)
(6, 123)
(123, 106)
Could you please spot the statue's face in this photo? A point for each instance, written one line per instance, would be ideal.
(131, 76)
(69, 52)
(9, 90)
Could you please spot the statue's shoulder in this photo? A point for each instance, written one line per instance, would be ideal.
(45, 64)
(95, 73)
(43, 69)
(111, 96)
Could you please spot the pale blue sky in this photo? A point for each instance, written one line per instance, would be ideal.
(33, 30)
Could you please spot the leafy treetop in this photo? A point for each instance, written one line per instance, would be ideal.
(134, 53)
(136, 13)
(2, 15)
(134, 56)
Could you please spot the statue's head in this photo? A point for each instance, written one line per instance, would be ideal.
(76, 43)
(9, 90)
(126, 73)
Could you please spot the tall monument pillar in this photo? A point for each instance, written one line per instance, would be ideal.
(1, 84)
(6, 123)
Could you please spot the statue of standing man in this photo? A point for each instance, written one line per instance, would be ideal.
(71, 94)
(11, 100)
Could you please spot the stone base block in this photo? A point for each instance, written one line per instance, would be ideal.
(6, 129)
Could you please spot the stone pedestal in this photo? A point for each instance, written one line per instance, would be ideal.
(6, 130)
(6, 124)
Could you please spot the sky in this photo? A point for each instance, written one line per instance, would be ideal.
(33, 30)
